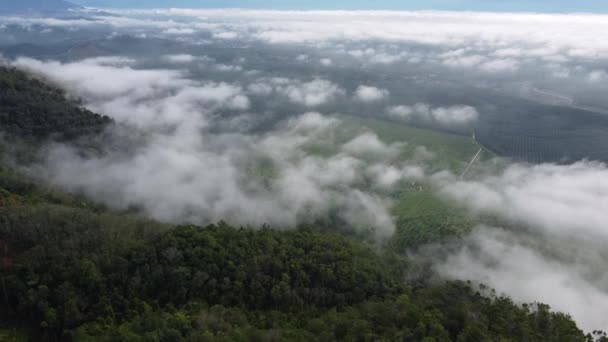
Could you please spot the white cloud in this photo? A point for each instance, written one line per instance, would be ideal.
(597, 76)
(311, 94)
(502, 261)
(469, 61)
(370, 94)
(576, 33)
(370, 144)
(374, 56)
(227, 35)
(145, 98)
(509, 52)
(423, 153)
(446, 116)
(260, 88)
(557, 253)
(569, 199)
(108, 82)
(326, 62)
(456, 115)
(182, 58)
(500, 65)
(179, 31)
(311, 122)
(109, 60)
(569, 35)
(386, 176)
(485, 42)
(228, 68)
(181, 172)
(405, 112)
(384, 58)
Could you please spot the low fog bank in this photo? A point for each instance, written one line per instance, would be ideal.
(563, 64)
(552, 247)
(567, 200)
(186, 170)
(568, 276)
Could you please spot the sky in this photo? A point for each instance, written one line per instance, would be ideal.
(597, 6)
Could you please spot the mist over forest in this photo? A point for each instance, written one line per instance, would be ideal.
(474, 145)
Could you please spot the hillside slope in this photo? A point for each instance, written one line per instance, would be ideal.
(33, 110)
(74, 271)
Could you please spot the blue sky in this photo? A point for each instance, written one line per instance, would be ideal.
(471, 5)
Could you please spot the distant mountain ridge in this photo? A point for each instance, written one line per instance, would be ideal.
(35, 6)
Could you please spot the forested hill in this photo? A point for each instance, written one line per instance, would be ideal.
(33, 110)
(74, 271)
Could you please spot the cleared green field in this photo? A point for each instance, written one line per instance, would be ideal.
(421, 215)
(451, 151)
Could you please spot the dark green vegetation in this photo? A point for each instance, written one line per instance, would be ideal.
(70, 270)
(82, 276)
(33, 110)
(542, 133)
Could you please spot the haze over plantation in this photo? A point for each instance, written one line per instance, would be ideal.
(205, 174)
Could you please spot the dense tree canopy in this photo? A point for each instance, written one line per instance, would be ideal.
(33, 110)
(76, 274)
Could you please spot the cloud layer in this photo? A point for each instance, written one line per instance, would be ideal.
(370, 94)
(444, 116)
(575, 34)
(520, 269)
(554, 251)
(570, 200)
(185, 171)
